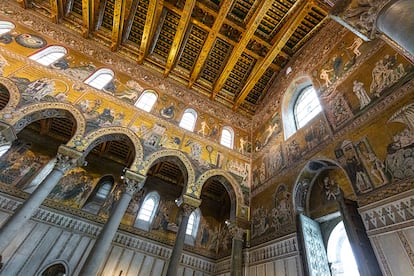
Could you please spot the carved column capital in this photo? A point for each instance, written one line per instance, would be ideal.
(134, 182)
(68, 158)
(187, 209)
(236, 231)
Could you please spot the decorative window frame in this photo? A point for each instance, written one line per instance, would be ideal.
(187, 122)
(144, 224)
(230, 130)
(191, 238)
(92, 79)
(143, 100)
(49, 55)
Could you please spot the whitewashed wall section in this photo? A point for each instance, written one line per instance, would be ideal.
(390, 227)
(52, 236)
(279, 257)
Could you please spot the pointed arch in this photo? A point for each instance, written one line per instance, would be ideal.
(234, 189)
(113, 133)
(168, 153)
(14, 95)
(28, 114)
(306, 178)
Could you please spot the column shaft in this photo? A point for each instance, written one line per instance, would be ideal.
(99, 252)
(236, 257)
(178, 247)
(13, 225)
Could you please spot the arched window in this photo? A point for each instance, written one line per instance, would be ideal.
(189, 119)
(340, 253)
(99, 195)
(6, 26)
(306, 107)
(192, 227)
(45, 171)
(147, 211)
(100, 78)
(146, 101)
(56, 269)
(300, 105)
(4, 149)
(227, 137)
(49, 55)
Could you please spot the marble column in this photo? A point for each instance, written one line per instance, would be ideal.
(188, 206)
(236, 268)
(390, 20)
(98, 254)
(66, 158)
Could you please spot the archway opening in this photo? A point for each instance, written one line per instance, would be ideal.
(4, 96)
(155, 208)
(55, 270)
(217, 206)
(36, 145)
(340, 255)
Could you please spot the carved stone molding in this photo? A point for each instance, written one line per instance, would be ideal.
(235, 231)
(392, 213)
(134, 242)
(134, 182)
(281, 248)
(67, 158)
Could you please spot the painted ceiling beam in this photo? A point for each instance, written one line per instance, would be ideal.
(54, 7)
(129, 20)
(182, 29)
(299, 11)
(257, 17)
(236, 27)
(118, 23)
(87, 17)
(208, 44)
(153, 14)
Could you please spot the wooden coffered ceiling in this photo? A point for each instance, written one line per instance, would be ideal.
(230, 51)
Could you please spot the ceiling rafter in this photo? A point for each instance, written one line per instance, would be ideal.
(179, 35)
(222, 36)
(101, 13)
(154, 12)
(221, 16)
(300, 10)
(118, 23)
(311, 33)
(257, 17)
(68, 7)
(130, 20)
(238, 28)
